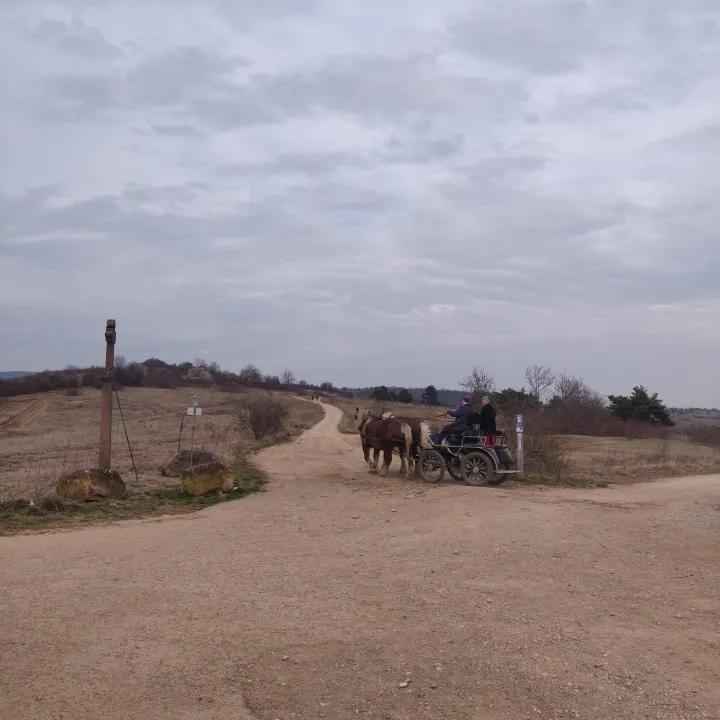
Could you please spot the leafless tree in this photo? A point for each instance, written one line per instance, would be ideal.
(478, 383)
(287, 378)
(540, 379)
(261, 415)
(570, 390)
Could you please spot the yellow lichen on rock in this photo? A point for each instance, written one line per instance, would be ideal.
(205, 478)
(93, 484)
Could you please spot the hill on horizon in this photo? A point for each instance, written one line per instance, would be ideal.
(10, 374)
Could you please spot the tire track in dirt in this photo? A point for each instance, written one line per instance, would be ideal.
(28, 415)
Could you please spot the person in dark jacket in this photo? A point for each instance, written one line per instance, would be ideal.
(460, 415)
(488, 424)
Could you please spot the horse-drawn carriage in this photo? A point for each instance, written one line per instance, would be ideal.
(467, 454)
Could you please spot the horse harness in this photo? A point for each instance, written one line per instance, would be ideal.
(383, 434)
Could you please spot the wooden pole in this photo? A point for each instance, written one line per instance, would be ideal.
(104, 456)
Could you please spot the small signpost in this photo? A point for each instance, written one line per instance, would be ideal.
(519, 435)
(194, 412)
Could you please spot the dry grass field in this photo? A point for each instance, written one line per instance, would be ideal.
(44, 436)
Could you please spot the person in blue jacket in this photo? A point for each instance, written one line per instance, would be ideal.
(460, 415)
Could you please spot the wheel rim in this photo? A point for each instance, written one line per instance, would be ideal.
(476, 470)
(432, 467)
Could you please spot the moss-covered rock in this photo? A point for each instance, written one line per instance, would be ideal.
(93, 484)
(202, 479)
(181, 462)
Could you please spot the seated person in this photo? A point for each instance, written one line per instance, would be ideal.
(461, 420)
(488, 423)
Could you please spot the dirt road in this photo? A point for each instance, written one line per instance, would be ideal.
(337, 594)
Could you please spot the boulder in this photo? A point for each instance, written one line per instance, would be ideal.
(181, 462)
(93, 484)
(202, 479)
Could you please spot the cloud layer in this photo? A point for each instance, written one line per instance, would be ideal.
(388, 194)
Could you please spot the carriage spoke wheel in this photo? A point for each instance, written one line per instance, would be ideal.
(453, 467)
(476, 469)
(432, 466)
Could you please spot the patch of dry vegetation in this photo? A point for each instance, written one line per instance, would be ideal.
(64, 437)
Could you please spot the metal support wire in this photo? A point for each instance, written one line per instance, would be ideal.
(127, 437)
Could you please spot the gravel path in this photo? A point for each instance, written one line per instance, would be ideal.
(337, 594)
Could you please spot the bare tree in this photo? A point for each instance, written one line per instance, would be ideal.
(570, 390)
(261, 415)
(287, 378)
(478, 383)
(540, 379)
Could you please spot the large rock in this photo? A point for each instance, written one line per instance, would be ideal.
(203, 479)
(181, 462)
(93, 484)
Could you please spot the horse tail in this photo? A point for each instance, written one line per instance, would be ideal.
(424, 436)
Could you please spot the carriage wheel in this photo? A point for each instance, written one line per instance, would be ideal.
(432, 466)
(476, 469)
(453, 467)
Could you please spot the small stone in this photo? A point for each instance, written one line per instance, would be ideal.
(404, 683)
(456, 552)
(285, 658)
(393, 510)
(433, 686)
(679, 616)
(355, 517)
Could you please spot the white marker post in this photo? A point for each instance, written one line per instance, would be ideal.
(519, 436)
(193, 411)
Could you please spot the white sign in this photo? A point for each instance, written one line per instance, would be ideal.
(194, 411)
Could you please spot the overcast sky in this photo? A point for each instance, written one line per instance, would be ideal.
(366, 192)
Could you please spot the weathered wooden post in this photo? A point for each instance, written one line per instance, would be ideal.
(104, 456)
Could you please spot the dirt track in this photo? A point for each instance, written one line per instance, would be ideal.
(320, 597)
(27, 416)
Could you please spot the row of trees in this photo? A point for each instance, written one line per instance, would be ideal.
(561, 394)
(153, 372)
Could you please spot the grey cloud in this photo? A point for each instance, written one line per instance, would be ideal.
(566, 35)
(380, 88)
(543, 38)
(174, 75)
(540, 196)
(76, 38)
(177, 130)
(329, 163)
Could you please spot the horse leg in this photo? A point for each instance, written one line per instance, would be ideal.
(387, 458)
(366, 452)
(376, 460)
(403, 463)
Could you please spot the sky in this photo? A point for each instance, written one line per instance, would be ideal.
(366, 193)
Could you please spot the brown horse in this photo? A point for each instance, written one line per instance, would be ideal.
(384, 434)
(420, 436)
